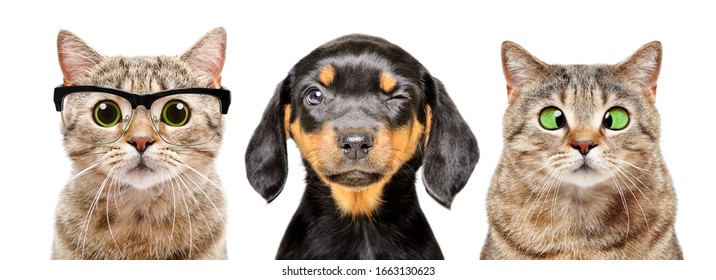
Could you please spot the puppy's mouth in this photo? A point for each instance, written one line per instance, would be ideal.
(354, 178)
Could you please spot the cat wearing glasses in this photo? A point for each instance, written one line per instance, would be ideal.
(142, 134)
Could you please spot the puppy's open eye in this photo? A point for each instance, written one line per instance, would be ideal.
(315, 97)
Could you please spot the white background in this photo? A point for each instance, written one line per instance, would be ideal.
(458, 43)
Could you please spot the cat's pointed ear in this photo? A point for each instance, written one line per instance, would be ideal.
(642, 68)
(75, 56)
(520, 68)
(209, 54)
(266, 157)
(451, 152)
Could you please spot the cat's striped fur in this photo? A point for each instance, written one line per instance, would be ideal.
(174, 212)
(550, 200)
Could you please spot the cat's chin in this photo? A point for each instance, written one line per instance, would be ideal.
(584, 179)
(142, 178)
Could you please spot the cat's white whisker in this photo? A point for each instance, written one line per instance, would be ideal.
(624, 203)
(174, 208)
(621, 174)
(91, 209)
(194, 155)
(87, 169)
(615, 184)
(632, 176)
(524, 179)
(632, 165)
(626, 174)
(530, 175)
(554, 199)
(106, 211)
(191, 194)
(544, 185)
(221, 216)
(189, 223)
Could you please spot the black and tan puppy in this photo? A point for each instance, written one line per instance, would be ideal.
(365, 115)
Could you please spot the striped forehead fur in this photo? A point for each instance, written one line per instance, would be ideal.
(144, 74)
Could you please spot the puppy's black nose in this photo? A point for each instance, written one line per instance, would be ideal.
(355, 146)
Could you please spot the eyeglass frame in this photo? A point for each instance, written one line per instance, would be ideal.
(146, 100)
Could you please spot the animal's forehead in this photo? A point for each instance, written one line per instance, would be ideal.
(362, 60)
(353, 66)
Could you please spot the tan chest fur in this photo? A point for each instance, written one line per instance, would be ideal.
(160, 223)
(565, 222)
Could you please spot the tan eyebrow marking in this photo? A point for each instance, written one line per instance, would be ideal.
(326, 75)
(387, 82)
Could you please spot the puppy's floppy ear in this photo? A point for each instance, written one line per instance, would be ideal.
(451, 152)
(266, 156)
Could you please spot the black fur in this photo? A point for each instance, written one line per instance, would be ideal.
(398, 229)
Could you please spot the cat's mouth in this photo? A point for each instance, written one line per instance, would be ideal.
(585, 168)
(141, 167)
(585, 174)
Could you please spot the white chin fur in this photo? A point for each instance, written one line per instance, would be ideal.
(142, 179)
(584, 180)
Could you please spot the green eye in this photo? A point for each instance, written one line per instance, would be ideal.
(616, 118)
(175, 113)
(551, 118)
(106, 113)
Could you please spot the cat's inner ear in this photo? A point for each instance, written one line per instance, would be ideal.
(520, 68)
(642, 68)
(208, 54)
(75, 56)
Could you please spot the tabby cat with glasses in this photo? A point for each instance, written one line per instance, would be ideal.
(142, 134)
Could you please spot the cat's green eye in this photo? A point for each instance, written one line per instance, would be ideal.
(616, 118)
(551, 118)
(175, 113)
(106, 113)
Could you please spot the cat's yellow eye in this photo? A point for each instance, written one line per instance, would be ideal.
(616, 118)
(551, 118)
(175, 113)
(106, 113)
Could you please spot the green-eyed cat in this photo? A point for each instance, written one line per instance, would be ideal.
(142, 134)
(581, 174)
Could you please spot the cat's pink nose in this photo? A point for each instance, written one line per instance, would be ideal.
(583, 146)
(141, 143)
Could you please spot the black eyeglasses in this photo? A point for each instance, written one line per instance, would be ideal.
(99, 115)
(223, 94)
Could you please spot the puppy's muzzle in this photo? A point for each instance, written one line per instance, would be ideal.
(355, 145)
